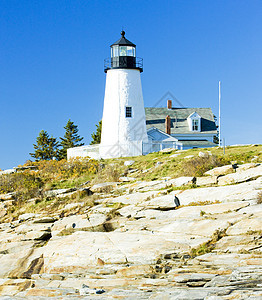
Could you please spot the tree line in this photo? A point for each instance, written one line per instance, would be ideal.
(48, 147)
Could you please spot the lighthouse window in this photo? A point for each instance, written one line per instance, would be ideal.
(128, 112)
(130, 51)
(123, 50)
(115, 51)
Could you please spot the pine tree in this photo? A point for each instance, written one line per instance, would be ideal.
(46, 148)
(71, 139)
(96, 136)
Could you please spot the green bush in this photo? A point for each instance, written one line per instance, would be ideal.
(259, 198)
(26, 185)
(197, 166)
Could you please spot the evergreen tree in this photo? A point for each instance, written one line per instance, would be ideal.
(71, 139)
(96, 136)
(46, 148)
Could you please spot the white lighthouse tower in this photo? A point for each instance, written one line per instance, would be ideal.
(124, 122)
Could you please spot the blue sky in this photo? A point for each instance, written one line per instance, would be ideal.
(52, 52)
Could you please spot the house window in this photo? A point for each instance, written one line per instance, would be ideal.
(128, 112)
(195, 125)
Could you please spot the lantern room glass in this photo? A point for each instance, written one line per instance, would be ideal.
(123, 51)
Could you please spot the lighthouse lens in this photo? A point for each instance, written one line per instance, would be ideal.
(123, 50)
(130, 51)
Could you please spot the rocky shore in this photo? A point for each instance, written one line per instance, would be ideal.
(136, 242)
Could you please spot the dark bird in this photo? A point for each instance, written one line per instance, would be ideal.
(177, 202)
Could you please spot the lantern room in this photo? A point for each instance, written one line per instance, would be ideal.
(123, 56)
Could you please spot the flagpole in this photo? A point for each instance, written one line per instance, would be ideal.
(219, 117)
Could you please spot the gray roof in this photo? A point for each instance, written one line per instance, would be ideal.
(197, 143)
(155, 116)
(123, 41)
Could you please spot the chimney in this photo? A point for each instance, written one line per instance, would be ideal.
(169, 104)
(168, 124)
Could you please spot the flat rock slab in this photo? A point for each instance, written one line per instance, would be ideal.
(246, 166)
(81, 250)
(101, 209)
(207, 180)
(219, 171)
(25, 228)
(129, 211)
(204, 227)
(101, 187)
(148, 185)
(246, 226)
(17, 265)
(3, 210)
(128, 163)
(252, 261)
(10, 287)
(45, 220)
(235, 243)
(162, 202)
(139, 270)
(134, 198)
(194, 212)
(73, 206)
(239, 192)
(8, 196)
(252, 209)
(227, 261)
(241, 176)
(78, 222)
(53, 193)
(126, 179)
(247, 272)
(193, 277)
(180, 181)
(28, 216)
(10, 247)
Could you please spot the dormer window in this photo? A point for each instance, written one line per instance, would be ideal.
(194, 122)
(195, 125)
(128, 112)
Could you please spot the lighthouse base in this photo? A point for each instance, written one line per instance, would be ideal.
(106, 151)
(133, 148)
(121, 150)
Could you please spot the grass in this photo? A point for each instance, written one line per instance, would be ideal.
(208, 246)
(69, 183)
(202, 213)
(201, 203)
(259, 198)
(51, 206)
(63, 174)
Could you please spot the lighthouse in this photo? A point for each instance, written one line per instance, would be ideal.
(123, 122)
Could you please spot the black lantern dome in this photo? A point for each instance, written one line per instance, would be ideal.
(123, 56)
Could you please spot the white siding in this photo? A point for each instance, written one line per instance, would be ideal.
(123, 88)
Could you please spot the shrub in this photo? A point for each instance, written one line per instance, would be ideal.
(31, 183)
(109, 173)
(197, 166)
(63, 169)
(259, 198)
(26, 184)
(208, 246)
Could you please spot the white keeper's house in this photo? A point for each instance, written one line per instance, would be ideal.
(130, 129)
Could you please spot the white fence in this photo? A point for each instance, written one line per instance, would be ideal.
(158, 146)
(84, 151)
(120, 150)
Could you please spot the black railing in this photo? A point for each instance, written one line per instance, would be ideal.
(123, 62)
